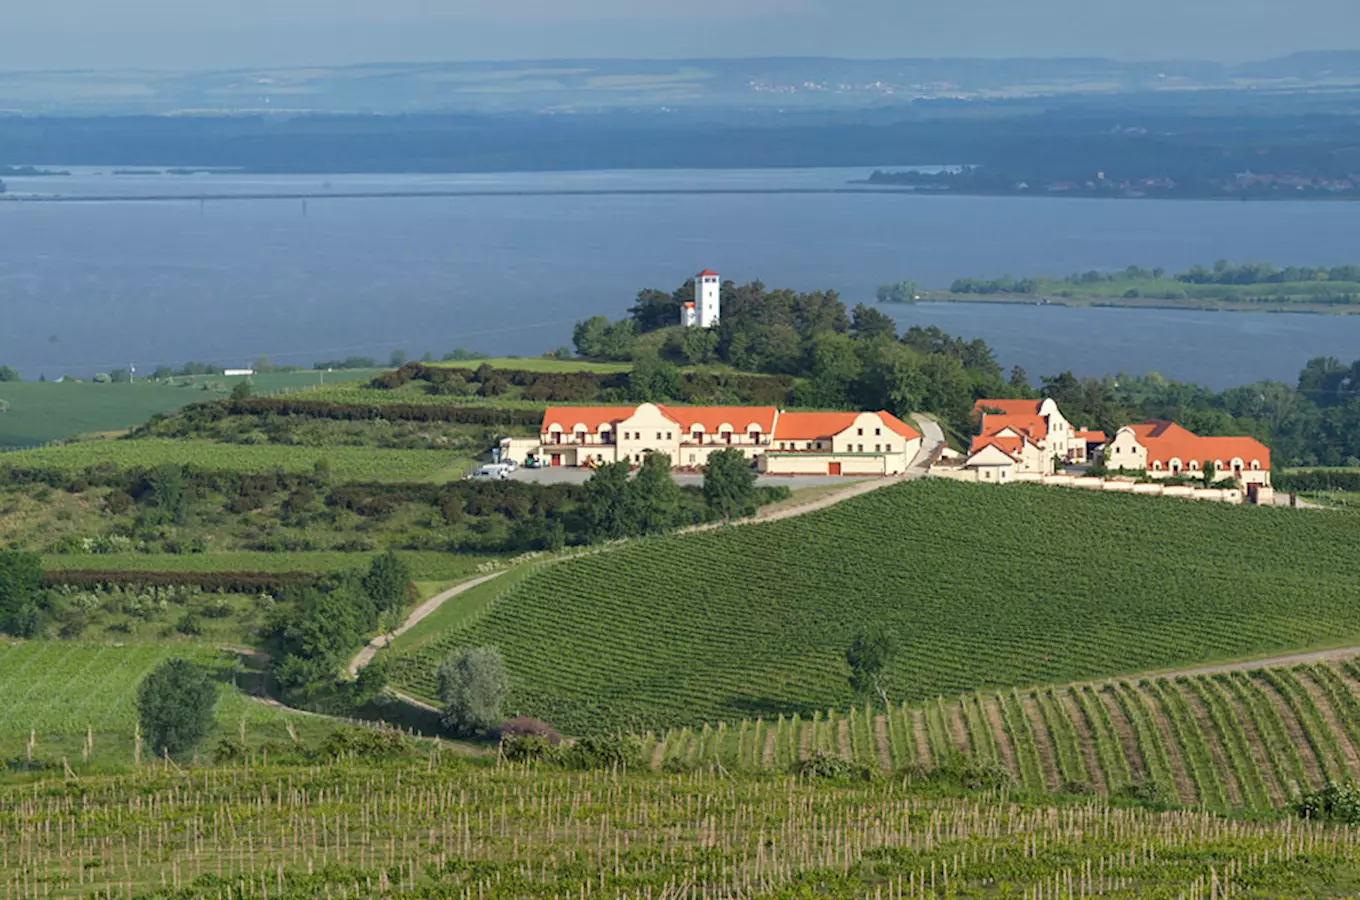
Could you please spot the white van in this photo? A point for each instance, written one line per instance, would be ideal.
(492, 472)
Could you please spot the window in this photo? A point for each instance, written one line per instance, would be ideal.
(878, 432)
(878, 448)
(887, 448)
(1256, 465)
(670, 435)
(861, 432)
(658, 435)
(861, 448)
(809, 446)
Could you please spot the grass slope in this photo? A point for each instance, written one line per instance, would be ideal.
(41, 412)
(981, 587)
(364, 464)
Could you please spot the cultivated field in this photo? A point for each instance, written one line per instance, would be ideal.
(363, 464)
(442, 828)
(58, 693)
(982, 588)
(1231, 740)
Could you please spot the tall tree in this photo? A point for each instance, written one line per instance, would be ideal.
(608, 508)
(655, 496)
(21, 581)
(473, 686)
(868, 324)
(175, 706)
(868, 657)
(730, 485)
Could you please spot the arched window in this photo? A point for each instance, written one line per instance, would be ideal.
(1194, 465)
(1156, 467)
(1256, 465)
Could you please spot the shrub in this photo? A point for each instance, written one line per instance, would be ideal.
(365, 743)
(473, 685)
(1334, 802)
(821, 764)
(175, 706)
(530, 748)
(524, 726)
(606, 751)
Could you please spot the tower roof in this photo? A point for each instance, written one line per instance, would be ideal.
(707, 273)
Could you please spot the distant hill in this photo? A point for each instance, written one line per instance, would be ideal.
(588, 84)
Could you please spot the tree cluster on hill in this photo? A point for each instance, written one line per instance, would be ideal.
(326, 623)
(845, 358)
(1222, 273)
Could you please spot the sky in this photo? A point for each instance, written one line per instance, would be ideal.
(197, 34)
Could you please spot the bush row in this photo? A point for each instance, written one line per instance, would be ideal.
(565, 387)
(230, 582)
(1317, 480)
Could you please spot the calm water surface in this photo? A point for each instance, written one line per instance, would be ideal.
(92, 286)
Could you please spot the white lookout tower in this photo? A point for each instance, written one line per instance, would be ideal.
(706, 309)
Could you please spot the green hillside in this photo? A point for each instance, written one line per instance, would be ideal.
(981, 587)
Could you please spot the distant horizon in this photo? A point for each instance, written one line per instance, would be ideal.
(717, 57)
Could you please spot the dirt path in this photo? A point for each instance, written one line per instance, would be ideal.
(1213, 741)
(991, 708)
(1086, 739)
(1272, 662)
(1175, 757)
(1312, 766)
(882, 744)
(1275, 782)
(919, 737)
(1138, 768)
(1331, 718)
(420, 613)
(767, 753)
(1043, 741)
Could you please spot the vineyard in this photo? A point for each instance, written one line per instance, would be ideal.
(440, 828)
(347, 463)
(1231, 740)
(60, 691)
(982, 589)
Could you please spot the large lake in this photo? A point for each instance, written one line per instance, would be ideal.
(87, 286)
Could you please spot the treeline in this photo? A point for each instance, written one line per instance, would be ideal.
(844, 359)
(185, 421)
(641, 385)
(1316, 480)
(1222, 273)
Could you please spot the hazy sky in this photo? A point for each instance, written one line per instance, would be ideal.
(217, 33)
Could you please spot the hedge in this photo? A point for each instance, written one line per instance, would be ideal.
(231, 582)
(1317, 480)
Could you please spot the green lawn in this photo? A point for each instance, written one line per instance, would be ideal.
(347, 463)
(980, 587)
(43, 412)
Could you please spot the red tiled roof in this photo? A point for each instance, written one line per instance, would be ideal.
(712, 418)
(1009, 407)
(1032, 426)
(804, 426)
(1092, 437)
(1165, 441)
(689, 304)
(567, 418)
(707, 273)
(1011, 446)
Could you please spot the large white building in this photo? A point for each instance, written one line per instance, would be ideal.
(780, 443)
(706, 308)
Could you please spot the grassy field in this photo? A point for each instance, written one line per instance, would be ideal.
(58, 692)
(981, 588)
(347, 463)
(453, 829)
(1229, 741)
(43, 412)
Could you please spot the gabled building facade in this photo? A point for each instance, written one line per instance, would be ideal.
(1166, 450)
(868, 443)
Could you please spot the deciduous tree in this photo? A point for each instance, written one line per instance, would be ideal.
(175, 706)
(473, 686)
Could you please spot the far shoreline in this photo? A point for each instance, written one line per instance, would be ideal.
(1143, 303)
